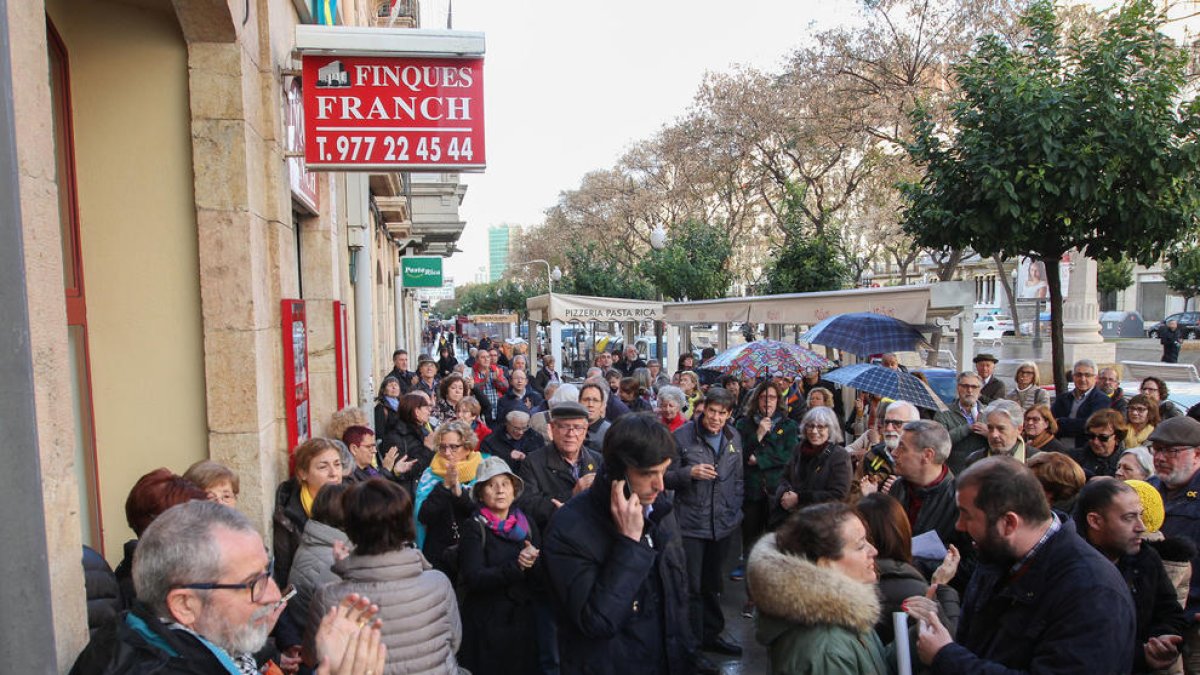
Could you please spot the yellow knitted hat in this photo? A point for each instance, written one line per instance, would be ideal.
(1152, 504)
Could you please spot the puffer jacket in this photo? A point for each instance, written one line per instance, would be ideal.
(707, 509)
(421, 625)
(813, 620)
(312, 567)
(103, 592)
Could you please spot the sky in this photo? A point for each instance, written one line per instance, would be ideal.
(569, 86)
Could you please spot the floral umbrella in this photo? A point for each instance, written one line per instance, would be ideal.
(763, 358)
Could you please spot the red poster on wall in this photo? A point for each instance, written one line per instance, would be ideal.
(295, 372)
(393, 113)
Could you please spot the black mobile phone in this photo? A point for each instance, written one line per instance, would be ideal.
(628, 492)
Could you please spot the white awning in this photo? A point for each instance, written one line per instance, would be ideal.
(912, 304)
(567, 308)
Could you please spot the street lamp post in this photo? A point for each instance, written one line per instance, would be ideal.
(552, 275)
(658, 241)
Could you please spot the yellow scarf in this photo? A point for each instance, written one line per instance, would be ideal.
(1133, 438)
(306, 499)
(466, 468)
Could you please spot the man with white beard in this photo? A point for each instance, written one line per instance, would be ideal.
(206, 603)
(878, 464)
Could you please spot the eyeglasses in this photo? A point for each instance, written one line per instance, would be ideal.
(811, 425)
(968, 386)
(1169, 449)
(1150, 388)
(1024, 372)
(1084, 374)
(257, 586)
(449, 447)
(894, 423)
(1103, 438)
(571, 429)
(1138, 409)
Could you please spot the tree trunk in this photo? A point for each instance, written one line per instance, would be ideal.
(1008, 292)
(1056, 322)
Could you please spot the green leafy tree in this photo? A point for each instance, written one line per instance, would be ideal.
(807, 263)
(1112, 277)
(694, 265)
(1183, 271)
(588, 274)
(1078, 140)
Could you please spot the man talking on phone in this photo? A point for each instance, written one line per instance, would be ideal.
(615, 561)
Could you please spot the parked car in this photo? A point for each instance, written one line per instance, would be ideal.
(1189, 323)
(993, 325)
(943, 382)
(1121, 324)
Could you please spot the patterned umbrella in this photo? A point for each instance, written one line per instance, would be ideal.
(762, 358)
(888, 383)
(864, 333)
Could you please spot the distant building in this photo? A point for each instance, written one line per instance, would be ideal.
(500, 239)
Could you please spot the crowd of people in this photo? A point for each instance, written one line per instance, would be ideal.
(486, 521)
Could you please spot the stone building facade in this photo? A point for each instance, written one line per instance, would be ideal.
(162, 233)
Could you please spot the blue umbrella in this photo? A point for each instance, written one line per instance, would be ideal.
(894, 384)
(865, 333)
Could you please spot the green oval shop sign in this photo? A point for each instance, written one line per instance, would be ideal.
(421, 272)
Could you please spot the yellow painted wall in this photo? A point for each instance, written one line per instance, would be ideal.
(129, 93)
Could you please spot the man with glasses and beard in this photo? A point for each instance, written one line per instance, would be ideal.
(1041, 600)
(1175, 444)
(879, 464)
(206, 603)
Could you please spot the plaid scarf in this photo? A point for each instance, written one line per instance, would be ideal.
(514, 528)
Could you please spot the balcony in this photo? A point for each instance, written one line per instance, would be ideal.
(407, 14)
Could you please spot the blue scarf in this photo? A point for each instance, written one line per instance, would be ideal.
(392, 402)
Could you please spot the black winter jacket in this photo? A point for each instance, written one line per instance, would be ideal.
(137, 643)
(1069, 612)
(498, 602)
(823, 478)
(622, 604)
(1154, 601)
(287, 525)
(938, 512)
(103, 593)
(707, 509)
(499, 444)
(547, 476)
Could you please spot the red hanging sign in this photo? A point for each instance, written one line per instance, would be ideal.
(393, 113)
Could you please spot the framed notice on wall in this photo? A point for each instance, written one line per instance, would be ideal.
(294, 327)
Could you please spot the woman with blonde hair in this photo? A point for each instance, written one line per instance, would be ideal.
(689, 383)
(1028, 392)
(443, 503)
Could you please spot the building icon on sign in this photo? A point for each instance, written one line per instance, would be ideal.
(333, 74)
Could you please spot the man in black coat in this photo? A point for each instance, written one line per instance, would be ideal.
(1041, 600)
(513, 442)
(401, 372)
(993, 387)
(616, 566)
(1171, 339)
(924, 485)
(1109, 515)
(708, 487)
(1072, 410)
(560, 469)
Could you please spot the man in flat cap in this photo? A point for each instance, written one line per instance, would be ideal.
(1175, 444)
(993, 388)
(560, 469)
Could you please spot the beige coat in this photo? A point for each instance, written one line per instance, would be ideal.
(421, 626)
